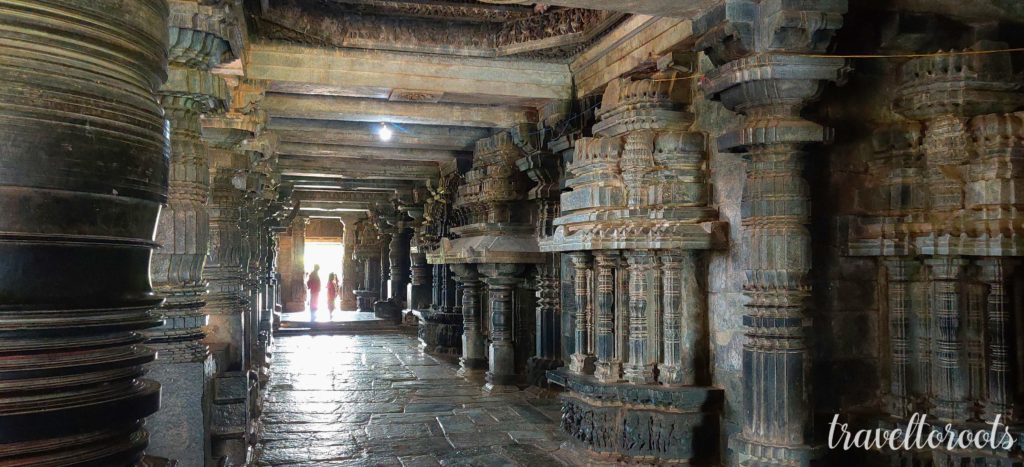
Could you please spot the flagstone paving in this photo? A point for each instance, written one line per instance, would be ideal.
(377, 400)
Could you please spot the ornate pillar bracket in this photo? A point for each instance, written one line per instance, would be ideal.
(750, 43)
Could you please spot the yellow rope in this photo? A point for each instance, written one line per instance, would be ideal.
(860, 56)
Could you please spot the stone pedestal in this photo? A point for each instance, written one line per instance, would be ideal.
(365, 300)
(183, 419)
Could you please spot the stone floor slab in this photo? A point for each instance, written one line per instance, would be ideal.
(378, 400)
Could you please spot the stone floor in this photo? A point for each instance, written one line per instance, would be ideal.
(324, 316)
(377, 400)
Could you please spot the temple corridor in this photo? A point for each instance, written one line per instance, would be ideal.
(668, 232)
(378, 400)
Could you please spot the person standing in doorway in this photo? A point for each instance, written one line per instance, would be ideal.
(332, 291)
(313, 284)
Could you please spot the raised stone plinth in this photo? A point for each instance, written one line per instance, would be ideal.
(639, 423)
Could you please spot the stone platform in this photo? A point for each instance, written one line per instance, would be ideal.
(339, 322)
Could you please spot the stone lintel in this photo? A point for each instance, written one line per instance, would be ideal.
(495, 249)
(671, 8)
(357, 168)
(362, 152)
(518, 82)
(634, 235)
(325, 132)
(378, 110)
(634, 44)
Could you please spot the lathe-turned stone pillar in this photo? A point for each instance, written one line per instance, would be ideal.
(501, 280)
(421, 279)
(771, 89)
(197, 43)
(474, 356)
(400, 264)
(292, 264)
(582, 361)
(349, 273)
(82, 178)
(224, 270)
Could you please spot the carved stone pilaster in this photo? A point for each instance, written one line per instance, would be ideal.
(582, 360)
(642, 357)
(1002, 393)
(901, 302)
(609, 366)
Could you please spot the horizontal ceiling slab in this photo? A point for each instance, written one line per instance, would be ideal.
(356, 168)
(328, 183)
(411, 76)
(359, 152)
(673, 8)
(376, 110)
(326, 132)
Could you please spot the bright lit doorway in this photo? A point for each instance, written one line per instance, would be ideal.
(329, 256)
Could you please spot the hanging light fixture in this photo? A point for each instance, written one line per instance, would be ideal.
(384, 132)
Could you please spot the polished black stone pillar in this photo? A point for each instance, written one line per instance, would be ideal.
(83, 173)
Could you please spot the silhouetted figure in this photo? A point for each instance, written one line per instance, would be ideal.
(332, 291)
(313, 284)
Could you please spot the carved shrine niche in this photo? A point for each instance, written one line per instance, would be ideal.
(491, 251)
(942, 213)
(633, 224)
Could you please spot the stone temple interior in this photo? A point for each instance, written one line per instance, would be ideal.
(577, 232)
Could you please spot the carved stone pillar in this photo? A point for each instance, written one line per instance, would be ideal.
(582, 361)
(999, 325)
(421, 279)
(608, 367)
(349, 274)
(473, 342)
(948, 355)
(384, 287)
(224, 269)
(771, 89)
(900, 272)
(183, 230)
(684, 352)
(642, 357)
(293, 266)
(82, 177)
(501, 280)
(400, 263)
(547, 354)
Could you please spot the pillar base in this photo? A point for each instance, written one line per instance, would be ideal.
(537, 368)
(621, 420)
(440, 333)
(364, 300)
(178, 431)
(762, 455)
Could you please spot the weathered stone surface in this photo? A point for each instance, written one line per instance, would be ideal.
(512, 427)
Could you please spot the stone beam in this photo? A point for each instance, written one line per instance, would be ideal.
(365, 134)
(636, 43)
(671, 8)
(342, 197)
(411, 76)
(358, 152)
(378, 110)
(356, 168)
(325, 183)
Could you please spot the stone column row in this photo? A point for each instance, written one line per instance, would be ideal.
(644, 310)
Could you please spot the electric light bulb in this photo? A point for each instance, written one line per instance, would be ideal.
(384, 132)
